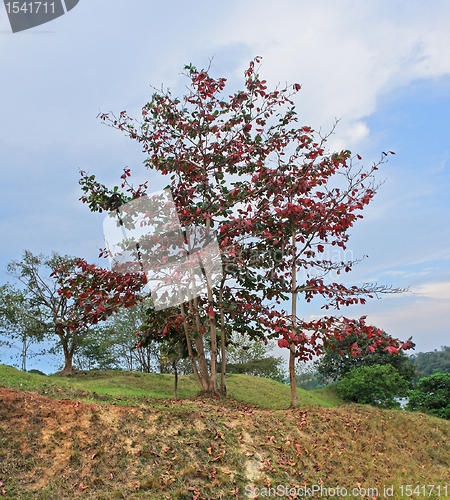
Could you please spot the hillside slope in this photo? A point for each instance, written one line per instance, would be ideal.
(203, 448)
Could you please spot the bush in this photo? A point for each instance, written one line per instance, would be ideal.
(269, 367)
(376, 385)
(432, 395)
(37, 372)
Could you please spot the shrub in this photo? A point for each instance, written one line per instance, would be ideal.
(376, 385)
(37, 372)
(432, 395)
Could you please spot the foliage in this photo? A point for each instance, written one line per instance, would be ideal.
(120, 332)
(432, 395)
(376, 385)
(243, 170)
(67, 296)
(269, 367)
(96, 350)
(253, 358)
(19, 321)
(436, 361)
(338, 358)
(37, 372)
(240, 349)
(307, 377)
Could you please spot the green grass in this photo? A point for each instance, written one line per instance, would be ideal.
(135, 388)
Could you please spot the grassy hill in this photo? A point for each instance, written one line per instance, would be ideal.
(122, 435)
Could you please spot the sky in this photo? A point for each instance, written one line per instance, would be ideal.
(382, 68)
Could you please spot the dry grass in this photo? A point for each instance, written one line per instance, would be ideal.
(202, 448)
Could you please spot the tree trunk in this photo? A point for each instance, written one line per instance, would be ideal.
(292, 379)
(68, 353)
(212, 324)
(24, 353)
(175, 369)
(193, 309)
(189, 347)
(68, 357)
(223, 385)
(202, 363)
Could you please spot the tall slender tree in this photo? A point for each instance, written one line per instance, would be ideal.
(242, 170)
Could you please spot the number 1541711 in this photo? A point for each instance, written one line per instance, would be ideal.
(30, 7)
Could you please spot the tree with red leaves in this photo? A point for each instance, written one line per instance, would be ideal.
(88, 294)
(244, 171)
(65, 296)
(305, 203)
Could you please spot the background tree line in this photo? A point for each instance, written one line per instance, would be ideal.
(28, 316)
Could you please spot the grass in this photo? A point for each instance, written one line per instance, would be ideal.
(134, 388)
(76, 444)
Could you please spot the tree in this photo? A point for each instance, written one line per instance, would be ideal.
(305, 200)
(173, 350)
(334, 365)
(243, 171)
(96, 350)
(73, 296)
(376, 385)
(437, 361)
(432, 395)
(119, 334)
(253, 358)
(307, 377)
(18, 322)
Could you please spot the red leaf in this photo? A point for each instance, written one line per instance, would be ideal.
(283, 343)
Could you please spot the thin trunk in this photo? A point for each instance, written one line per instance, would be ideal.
(24, 354)
(293, 382)
(193, 308)
(223, 385)
(213, 378)
(189, 348)
(199, 345)
(175, 369)
(212, 324)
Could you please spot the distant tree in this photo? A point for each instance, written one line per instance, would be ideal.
(172, 352)
(124, 334)
(96, 350)
(253, 358)
(432, 395)
(338, 358)
(19, 323)
(308, 378)
(436, 361)
(376, 385)
(67, 296)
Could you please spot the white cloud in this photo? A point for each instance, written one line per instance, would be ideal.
(440, 291)
(345, 54)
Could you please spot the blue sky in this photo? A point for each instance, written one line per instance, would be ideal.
(382, 68)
